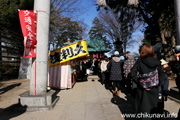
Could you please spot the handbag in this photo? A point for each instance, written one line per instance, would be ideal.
(148, 80)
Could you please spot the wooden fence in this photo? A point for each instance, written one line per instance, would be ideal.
(11, 49)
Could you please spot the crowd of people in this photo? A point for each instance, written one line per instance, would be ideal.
(145, 79)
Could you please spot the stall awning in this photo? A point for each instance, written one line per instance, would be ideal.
(96, 46)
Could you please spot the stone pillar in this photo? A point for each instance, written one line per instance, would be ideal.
(38, 86)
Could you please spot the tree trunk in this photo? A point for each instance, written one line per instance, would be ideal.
(168, 42)
(167, 39)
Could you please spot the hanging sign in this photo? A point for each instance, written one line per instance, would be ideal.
(67, 53)
(28, 26)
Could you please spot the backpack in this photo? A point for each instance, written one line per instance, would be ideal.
(148, 80)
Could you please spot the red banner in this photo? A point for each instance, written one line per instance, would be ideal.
(28, 26)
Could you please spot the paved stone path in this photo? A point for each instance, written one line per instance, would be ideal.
(90, 100)
(87, 100)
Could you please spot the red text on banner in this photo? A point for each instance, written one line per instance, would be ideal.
(28, 26)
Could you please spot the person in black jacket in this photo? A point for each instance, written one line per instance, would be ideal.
(177, 67)
(115, 73)
(146, 99)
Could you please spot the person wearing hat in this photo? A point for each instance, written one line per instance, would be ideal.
(163, 89)
(115, 72)
(126, 55)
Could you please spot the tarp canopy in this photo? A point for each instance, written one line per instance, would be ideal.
(95, 45)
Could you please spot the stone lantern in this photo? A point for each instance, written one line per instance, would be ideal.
(118, 46)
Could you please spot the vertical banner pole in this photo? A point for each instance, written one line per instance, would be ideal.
(35, 53)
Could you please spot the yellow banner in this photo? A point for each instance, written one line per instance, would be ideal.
(67, 53)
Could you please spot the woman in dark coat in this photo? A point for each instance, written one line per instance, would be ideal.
(114, 68)
(146, 99)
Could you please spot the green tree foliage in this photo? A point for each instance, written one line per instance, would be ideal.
(59, 9)
(97, 32)
(9, 12)
(9, 19)
(159, 17)
(63, 24)
(10, 29)
(68, 29)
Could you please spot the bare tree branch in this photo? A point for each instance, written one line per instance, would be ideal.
(60, 10)
(120, 24)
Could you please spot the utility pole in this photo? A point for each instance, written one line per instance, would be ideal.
(38, 98)
(177, 15)
(39, 71)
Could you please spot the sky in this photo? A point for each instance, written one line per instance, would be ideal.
(91, 13)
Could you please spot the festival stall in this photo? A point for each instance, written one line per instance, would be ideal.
(63, 64)
(96, 48)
